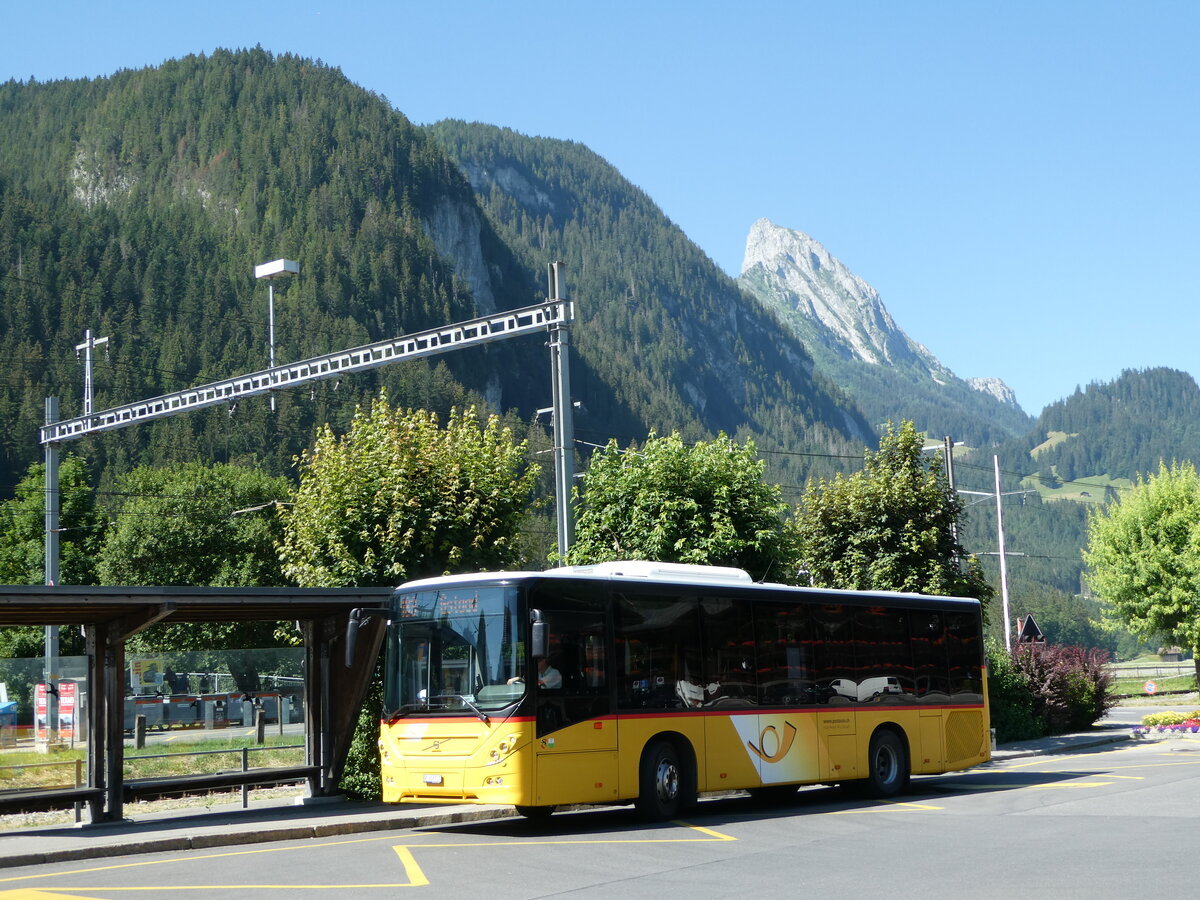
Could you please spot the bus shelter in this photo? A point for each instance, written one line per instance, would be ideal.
(109, 616)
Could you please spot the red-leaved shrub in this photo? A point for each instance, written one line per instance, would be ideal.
(1070, 685)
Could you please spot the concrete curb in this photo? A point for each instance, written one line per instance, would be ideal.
(1098, 741)
(261, 835)
(106, 841)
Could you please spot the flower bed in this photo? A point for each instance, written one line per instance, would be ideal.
(1169, 723)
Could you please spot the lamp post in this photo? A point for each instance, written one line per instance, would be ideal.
(270, 271)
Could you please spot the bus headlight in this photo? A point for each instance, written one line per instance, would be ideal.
(505, 747)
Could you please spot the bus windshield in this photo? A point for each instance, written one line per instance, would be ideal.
(454, 650)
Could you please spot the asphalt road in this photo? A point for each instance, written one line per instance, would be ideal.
(1119, 821)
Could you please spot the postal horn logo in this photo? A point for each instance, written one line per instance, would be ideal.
(770, 736)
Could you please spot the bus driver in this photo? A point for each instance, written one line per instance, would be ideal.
(548, 676)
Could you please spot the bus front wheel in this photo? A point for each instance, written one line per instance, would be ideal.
(887, 765)
(661, 783)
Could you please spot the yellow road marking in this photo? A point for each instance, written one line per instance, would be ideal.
(715, 834)
(416, 877)
(886, 806)
(176, 861)
(157, 888)
(1028, 787)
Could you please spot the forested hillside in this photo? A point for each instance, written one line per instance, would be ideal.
(669, 333)
(1082, 452)
(137, 206)
(1121, 428)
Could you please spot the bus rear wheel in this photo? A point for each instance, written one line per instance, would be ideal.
(661, 783)
(887, 765)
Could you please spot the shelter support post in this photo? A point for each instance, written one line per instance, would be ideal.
(111, 730)
(97, 735)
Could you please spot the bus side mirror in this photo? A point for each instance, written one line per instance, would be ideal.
(358, 618)
(538, 644)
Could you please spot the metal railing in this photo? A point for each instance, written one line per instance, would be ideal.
(78, 765)
(245, 760)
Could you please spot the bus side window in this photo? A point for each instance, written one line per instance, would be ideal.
(965, 654)
(785, 655)
(658, 642)
(730, 675)
(927, 635)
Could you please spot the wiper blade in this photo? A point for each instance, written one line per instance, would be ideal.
(465, 702)
(402, 711)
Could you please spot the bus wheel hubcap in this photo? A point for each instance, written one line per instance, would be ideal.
(668, 780)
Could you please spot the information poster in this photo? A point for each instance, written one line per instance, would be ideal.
(66, 710)
(40, 726)
(146, 675)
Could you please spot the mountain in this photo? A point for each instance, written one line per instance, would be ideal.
(137, 206)
(665, 341)
(844, 325)
(1083, 451)
(1116, 430)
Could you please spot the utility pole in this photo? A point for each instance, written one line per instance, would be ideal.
(948, 450)
(564, 428)
(88, 345)
(1003, 559)
(50, 485)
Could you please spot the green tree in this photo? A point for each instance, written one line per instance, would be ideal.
(1143, 557)
(889, 526)
(194, 524)
(398, 497)
(200, 525)
(23, 527)
(670, 502)
(23, 543)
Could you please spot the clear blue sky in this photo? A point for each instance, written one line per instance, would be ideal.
(1017, 179)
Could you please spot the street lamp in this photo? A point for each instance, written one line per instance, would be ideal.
(270, 271)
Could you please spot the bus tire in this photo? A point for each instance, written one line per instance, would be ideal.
(535, 813)
(887, 765)
(661, 782)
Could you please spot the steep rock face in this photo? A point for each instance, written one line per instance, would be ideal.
(454, 227)
(855, 322)
(855, 341)
(996, 388)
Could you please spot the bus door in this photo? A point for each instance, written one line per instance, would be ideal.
(575, 739)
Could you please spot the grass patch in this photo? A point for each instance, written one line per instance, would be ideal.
(211, 756)
(1132, 687)
(24, 769)
(1089, 489)
(1053, 439)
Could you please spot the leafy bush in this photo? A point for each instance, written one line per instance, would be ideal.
(1010, 697)
(1070, 685)
(362, 779)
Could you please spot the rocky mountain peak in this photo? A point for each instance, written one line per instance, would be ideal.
(846, 327)
(823, 289)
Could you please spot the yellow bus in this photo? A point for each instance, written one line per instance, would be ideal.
(654, 683)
